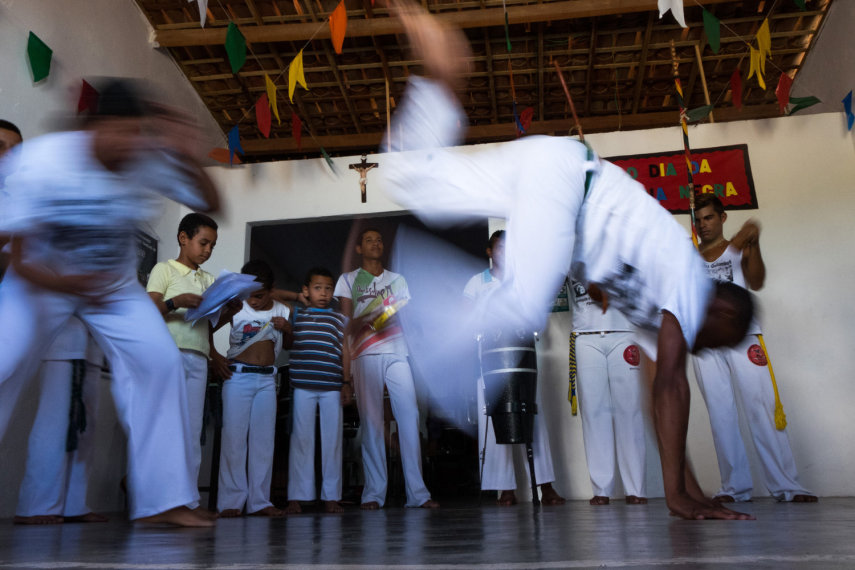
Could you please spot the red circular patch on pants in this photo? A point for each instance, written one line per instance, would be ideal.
(632, 355)
(756, 355)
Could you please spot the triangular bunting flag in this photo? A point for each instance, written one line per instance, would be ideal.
(234, 143)
(88, 99)
(764, 44)
(756, 58)
(698, 114)
(800, 103)
(782, 91)
(847, 106)
(712, 28)
(262, 115)
(295, 75)
(203, 11)
(235, 47)
(329, 161)
(676, 7)
(801, 5)
(271, 97)
(223, 155)
(736, 89)
(39, 55)
(297, 130)
(338, 24)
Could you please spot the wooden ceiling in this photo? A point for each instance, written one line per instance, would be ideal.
(615, 56)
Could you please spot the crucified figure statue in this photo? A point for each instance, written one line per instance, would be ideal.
(362, 168)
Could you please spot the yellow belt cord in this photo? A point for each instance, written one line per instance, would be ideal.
(780, 416)
(571, 395)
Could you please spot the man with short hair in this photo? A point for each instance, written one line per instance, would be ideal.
(723, 373)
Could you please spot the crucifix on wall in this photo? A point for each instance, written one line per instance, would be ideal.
(362, 168)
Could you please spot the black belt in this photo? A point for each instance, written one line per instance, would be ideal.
(250, 369)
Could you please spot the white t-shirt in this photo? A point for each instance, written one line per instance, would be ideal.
(728, 267)
(250, 326)
(481, 284)
(588, 315)
(370, 295)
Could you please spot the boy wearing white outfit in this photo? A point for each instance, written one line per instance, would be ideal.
(60, 450)
(498, 459)
(379, 358)
(610, 398)
(72, 203)
(249, 401)
(319, 366)
(175, 286)
(741, 374)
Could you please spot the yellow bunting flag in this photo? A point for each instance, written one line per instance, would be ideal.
(295, 75)
(764, 40)
(338, 24)
(756, 67)
(271, 96)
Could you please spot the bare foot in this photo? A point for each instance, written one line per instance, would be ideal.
(205, 513)
(507, 499)
(87, 518)
(270, 511)
(685, 507)
(719, 499)
(549, 497)
(635, 500)
(333, 507)
(804, 499)
(179, 516)
(293, 508)
(599, 500)
(39, 519)
(429, 504)
(370, 506)
(230, 514)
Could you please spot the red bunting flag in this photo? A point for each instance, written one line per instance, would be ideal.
(88, 99)
(338, 24)
(782, 92)
(262, 115)
(736, 89)
(297, 129)
(222, 155)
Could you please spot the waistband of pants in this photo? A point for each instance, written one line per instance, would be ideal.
(250, 369)
(597, 332)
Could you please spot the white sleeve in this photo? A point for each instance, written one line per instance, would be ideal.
(342, 288)
(429, 116)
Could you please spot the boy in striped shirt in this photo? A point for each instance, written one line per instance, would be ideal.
(320, 374)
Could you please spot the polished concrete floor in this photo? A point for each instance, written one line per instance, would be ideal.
(459, 535)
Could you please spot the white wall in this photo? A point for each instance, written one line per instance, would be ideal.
(89, 39)
(803, 170)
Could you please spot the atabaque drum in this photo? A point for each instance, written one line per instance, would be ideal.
(509, 368)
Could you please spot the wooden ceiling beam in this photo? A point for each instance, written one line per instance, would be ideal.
(528, 14)
(483, 133)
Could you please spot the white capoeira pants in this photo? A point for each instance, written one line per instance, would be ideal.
(148, 382)
(741, 374)
(610, 401)
(498, 472)
(301, 455)
(249, 431)
(370, 373)
(195, 366)
(56, 480)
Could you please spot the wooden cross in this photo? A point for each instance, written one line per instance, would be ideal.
(362, 168)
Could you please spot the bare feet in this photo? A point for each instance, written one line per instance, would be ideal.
(804, 499)
(293, 508)
(688, 508)
(333, 507)
(270, 511)
(635, 500)
(719, 499)
(87, 518)
(370, 506)
(205, 513)
(179, 516)
(507, 499)
(429, 504)
(39, 519)
(549, 497)
(599, 500)
(230, 514)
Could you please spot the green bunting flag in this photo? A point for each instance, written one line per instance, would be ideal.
(329, 161)
(235, 47)
(39, 55)
(712, 28)
(800, 103)
(698, 114)
(801, 4)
